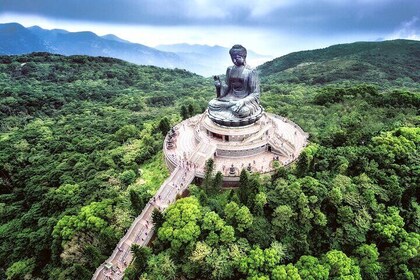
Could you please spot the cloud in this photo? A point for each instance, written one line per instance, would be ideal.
(323, 16)
(409, 29)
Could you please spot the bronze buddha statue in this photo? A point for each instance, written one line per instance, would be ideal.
(237, 101)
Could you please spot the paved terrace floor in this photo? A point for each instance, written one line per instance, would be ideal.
(284, 131)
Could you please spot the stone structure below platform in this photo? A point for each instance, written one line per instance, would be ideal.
(253, 147)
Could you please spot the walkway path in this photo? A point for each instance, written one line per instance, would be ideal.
(142, 229)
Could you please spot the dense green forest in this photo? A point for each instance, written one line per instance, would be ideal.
(80, 142)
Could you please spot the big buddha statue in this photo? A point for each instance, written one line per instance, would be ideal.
(237, 100)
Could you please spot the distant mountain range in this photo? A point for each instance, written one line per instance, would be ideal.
(201, 59)
(393, 62)
(387, 61)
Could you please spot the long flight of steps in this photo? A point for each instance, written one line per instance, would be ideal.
(203, 152)
(141, 230)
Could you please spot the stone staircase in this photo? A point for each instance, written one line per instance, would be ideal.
(203, 152)
(141, 229)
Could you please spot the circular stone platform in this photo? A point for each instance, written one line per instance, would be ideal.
(254, 147)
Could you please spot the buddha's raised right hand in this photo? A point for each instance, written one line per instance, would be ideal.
(217, 82)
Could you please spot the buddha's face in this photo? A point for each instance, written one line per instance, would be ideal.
(238, 58)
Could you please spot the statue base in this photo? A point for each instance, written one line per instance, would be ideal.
(229, 120)
(257, 147)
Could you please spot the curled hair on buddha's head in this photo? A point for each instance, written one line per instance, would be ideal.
(238, 48)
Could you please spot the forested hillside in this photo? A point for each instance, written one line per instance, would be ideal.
(388, 62)
(75, 133)
(80, 143)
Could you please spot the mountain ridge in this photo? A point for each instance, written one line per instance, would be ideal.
(15, 39)
(76, 43)
(359, 61)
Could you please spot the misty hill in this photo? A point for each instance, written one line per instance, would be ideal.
(201, 57)
(395, 62)
(205, 60)
(114, 38)
(16, 39)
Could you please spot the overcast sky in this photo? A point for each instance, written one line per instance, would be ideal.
(272, 27)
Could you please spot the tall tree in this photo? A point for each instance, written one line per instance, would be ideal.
(190, 110)
(181, 227)
(141, 256)
(136, 201)
(164, 126)
(218, 180)
(184, 112)
(208, 175)
(157, 218)
(161, 267)
(368, 260)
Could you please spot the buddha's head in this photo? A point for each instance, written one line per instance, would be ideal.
(238, 55)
